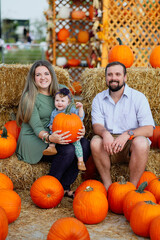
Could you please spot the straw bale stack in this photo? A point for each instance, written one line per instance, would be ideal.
(146, 80)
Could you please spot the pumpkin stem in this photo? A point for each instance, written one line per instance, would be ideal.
(142, 187)
(150, 202)
(4, 133)
(88, 189)
(68, 108)
(119, 41)
(122, 180)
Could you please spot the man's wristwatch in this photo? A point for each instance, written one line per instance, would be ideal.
(131, 134)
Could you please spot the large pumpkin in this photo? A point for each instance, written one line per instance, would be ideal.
(83, 36)
(154, 229)
(10, 201)
(78, 14)
(142, 215)
(154, 57)
(5, 182)
(121, 53)
(134, 196)
(147, 176)
(47, 192)
(63, 34)
(154, 187)
(93, 184)
(90, 206)
(155, 138)
(68, 228)
(116, 194)
(67, 122)
(7, 144)
(13, 128)
(3, 224)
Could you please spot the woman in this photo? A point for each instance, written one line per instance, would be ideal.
(35, 107)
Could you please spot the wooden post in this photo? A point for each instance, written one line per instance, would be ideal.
(105, 44)
(54, 34)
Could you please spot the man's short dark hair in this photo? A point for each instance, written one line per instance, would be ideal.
(114, 64)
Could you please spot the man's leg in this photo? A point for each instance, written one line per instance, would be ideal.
(138, 160)
(102, 160)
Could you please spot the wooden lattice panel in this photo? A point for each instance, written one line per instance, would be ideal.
(137, 23)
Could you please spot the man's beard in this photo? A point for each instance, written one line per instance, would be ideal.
(115, 89)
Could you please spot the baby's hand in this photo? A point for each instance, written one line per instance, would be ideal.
(79, 105)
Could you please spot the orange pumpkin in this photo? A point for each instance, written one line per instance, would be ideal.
(7, 144)
(76, 88)
(154, 229)
(67, 122)
(116, 194)
(90, 206)
(134, 196)
(68, 228)
(154, 187)
(147, 176)
(121, 53)
(73, 62)
(142, 215)
(13, 128)
(91, 12)
(78, 14)
(91, 170)
(10, 201)
(5, 182)
(93, 184)
(154, 57)
(47, 192)
(63, 34)
(3, 224)
(155, 138)
(83, 36)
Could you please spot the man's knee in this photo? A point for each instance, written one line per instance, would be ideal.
(96, 143)
(140, 143)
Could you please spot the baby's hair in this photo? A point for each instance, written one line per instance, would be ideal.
(63, 92)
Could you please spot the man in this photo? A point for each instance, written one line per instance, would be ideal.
(122, 122)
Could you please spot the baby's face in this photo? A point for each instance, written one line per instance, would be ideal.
(61, 102)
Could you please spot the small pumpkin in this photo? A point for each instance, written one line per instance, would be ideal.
(76, 88)
(67, 122)
(142, 215)
(154, 187)
(13, 128)
(134, 196)
(121, 53)
(3, 224)
(68, 228)
(7, 144)
(90, 206)
(116, 194)
(155, 138)
(5, 182)
(61, 61)
(83, 36)
(63, 34)
(10, 201)
(47, 192)
(91, 170)
(78, 14)
(147, 176)
(93, 184)
(154, 229)
(73, 62)
(154, 57)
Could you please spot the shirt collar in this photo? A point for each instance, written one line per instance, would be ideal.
(126, 92)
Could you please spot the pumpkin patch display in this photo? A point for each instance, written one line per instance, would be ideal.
(67, 122)
(91, 183)
(78, 14)
(47, 192)
(116, 194)
(10, 201)
(154, 187)
(3, 224)
(147, 176)
(154, 229)
(134, 196)
(90, 206)
(5, 182)
(154, 57)
(13, 128)
(83, 36)
(63, 34)
(68, 228)
(121, 53)
(7, 144)
(142, 215)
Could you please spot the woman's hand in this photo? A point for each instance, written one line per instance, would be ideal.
(81, 133)
(56, 137)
